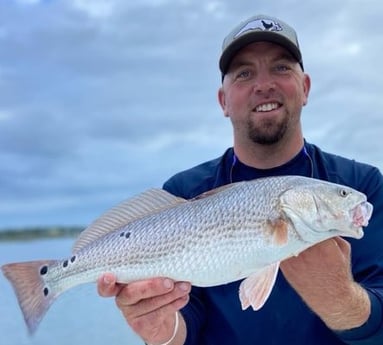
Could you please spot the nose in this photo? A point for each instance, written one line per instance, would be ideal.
(263, 82)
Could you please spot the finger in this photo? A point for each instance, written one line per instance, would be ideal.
(107, 286)
(343, 245)
(325, 249)
(175, 298)
(153, 317)
(143, 289)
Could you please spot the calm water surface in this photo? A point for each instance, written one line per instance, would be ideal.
(78, 317)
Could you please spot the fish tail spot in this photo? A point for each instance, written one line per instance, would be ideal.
(46, 291)
(44, 270)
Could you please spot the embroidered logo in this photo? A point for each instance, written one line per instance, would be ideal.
(260, 24)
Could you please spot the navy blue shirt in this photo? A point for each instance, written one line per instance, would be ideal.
(214, 315)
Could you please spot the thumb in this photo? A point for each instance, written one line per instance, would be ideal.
(107, 285)
(344, 246)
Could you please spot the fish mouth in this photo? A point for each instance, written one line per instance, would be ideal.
(361, 214)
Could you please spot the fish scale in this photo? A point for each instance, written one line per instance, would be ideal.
(242, 230)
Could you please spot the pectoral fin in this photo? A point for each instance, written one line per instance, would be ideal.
(255, 289)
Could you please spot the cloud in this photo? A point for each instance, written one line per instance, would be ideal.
(100, 100)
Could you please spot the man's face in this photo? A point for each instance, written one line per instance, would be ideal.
(263, 93)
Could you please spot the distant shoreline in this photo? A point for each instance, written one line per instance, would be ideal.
(35, 233)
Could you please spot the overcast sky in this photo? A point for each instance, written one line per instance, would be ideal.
(100, 100)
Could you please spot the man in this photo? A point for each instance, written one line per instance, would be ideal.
(323, 296)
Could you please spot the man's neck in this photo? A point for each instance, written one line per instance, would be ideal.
(268, 156)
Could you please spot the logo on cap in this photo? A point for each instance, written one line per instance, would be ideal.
(260, 24)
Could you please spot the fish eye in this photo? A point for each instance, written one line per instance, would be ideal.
(343, 192)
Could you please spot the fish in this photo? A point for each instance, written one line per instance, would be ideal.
(240, 231)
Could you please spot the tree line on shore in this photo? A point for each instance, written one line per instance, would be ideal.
(33, 233)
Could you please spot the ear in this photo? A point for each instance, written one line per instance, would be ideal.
(222, 101)
(306, 88)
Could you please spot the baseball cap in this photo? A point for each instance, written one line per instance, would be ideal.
(255, 29)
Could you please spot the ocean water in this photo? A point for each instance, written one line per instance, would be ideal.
(78, 317)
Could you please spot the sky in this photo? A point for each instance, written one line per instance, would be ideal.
(101, 100)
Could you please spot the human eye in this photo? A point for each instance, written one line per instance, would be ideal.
(243, 74)
(282, 67)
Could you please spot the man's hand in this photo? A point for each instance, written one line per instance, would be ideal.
(149, 306)
(322, 276)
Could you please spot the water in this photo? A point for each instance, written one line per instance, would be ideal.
(78, 317)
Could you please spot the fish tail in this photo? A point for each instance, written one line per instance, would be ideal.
(33, 294)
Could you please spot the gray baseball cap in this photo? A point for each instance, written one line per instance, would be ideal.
(255, 29)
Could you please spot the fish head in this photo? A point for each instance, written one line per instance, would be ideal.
(321, 210)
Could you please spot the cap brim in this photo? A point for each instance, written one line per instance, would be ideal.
(252, 37)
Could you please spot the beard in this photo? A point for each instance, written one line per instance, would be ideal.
(267, 132)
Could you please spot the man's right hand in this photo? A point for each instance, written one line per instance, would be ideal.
(149, 306)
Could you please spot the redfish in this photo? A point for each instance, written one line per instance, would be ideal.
(241, 230)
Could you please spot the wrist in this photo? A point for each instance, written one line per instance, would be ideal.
(176, 326)
(350, 310)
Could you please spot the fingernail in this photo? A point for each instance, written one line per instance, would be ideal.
(183, 286)
(107, 280)
(168, 283)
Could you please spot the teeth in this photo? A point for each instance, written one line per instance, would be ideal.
(267, 107)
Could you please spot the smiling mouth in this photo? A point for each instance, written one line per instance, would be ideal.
(265, 107)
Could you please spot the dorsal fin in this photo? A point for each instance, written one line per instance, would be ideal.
(139, 206)
(214, 191)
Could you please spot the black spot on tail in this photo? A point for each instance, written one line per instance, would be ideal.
(46, 291)
(72, 259)
(65, 263)
(44, 270)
